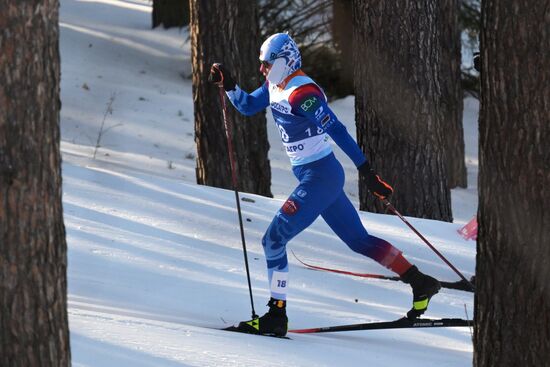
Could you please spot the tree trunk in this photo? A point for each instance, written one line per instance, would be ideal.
(33, 251)
(170, 13)
(398, 103)
(512, 304)
(452, 95)
(342, 34)
(219, 34)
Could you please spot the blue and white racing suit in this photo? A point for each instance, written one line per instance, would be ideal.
(305, 123)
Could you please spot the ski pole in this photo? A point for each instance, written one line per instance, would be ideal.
(392, 209)
(460, 285)
(228, 127)
(345, 272)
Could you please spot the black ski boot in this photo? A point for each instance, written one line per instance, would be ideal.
(424, 287)
(274, 322)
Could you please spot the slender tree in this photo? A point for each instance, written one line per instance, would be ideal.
(33, 251)
(512, 303)
(342, 35)
(469, 20)
(227, 32)
(399, 114)
(170, 13)
(452, 94)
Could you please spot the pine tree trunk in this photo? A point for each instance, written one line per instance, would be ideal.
(512, 304)
(227, 32)
(399, 114)
(342, 34)
(452, 94)
(170, 13)
(33, 251)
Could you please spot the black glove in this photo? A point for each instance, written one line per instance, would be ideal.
(374, 183)
(220, 76)
(477, 61)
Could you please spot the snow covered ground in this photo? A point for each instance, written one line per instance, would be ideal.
(155, 261)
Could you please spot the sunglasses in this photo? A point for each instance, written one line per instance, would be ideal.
(265, 64)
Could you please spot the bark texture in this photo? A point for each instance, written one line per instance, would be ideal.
(512, 304)
(399, 113)
(227, 32)
(33, 251)
(452, 94)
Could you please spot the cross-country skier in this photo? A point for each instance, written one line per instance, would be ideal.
(305, 121)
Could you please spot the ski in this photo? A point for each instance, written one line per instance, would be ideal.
(459, 285)
(403, 323)
(237, 330)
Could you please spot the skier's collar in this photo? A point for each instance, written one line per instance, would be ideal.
(288, 78)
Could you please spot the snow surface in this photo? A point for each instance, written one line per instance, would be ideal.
(156, 261)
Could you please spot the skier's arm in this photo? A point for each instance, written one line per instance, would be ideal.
(310, 102)
(247, 104)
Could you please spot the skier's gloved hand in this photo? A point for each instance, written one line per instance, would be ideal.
(374, 183)
(220, 76)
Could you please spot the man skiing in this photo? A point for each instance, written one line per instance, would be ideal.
(305, 121)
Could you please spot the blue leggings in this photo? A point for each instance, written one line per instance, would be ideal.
(320, 192)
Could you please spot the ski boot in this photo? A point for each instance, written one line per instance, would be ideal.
(424, 287)
(274, 322)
